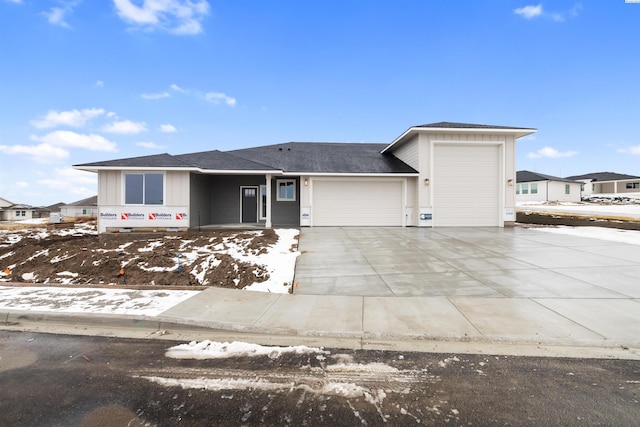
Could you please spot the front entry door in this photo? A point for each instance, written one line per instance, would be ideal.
(249, 196)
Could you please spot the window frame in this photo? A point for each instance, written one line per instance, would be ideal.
(263, 202)
(279, 182)
(525, 188)
(534, 188)
(632, 185)
(567, 189)
(144, 187)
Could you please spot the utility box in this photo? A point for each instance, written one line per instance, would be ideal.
(55, 218)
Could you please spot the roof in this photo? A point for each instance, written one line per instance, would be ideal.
(326, 157)
(291, 157)
(453, 127)
(90, 201)
(604, 176)
(528, 176)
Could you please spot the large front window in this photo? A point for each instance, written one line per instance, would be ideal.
(144, 189)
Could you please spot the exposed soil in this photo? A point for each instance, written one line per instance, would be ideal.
(574, 220)
(87, 259)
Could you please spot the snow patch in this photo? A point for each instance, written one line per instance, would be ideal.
(223, 350)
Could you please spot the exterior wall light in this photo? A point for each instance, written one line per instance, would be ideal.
(510, 182)
(306, 182)
(426, 181)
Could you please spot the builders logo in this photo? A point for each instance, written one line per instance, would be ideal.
(131, 215)
(152, 216)
(182, 216)
(108, 215)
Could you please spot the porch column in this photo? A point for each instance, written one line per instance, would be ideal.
(268, 220)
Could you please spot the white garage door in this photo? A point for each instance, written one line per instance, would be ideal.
(356, 203)
(466, 185)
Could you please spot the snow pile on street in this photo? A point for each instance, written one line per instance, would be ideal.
(90, 300)
(631, 237)
(223, 350)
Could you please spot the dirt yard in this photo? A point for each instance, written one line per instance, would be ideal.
(78, 256)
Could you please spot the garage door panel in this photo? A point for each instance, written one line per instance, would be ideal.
(466, 185)
(357, 203)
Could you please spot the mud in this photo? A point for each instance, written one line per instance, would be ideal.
(87, 259)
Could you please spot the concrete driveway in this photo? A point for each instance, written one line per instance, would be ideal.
(511, 283)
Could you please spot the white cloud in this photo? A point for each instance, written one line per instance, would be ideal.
(177, 88)
(57, 15)
(125, 127)
(22, 184)
(151, 145)
(65, 138)
(550, 153)
(42, 153)
(168, 128)
(155, 95)
(15, 1)
(217, 98)
(529, 12)
(71, 181)
(99, 83)
(73, 118)
(635, 150)
(182, 17)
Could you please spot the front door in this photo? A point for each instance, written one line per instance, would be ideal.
(249, 204)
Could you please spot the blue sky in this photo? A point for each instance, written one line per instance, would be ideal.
(84, 81)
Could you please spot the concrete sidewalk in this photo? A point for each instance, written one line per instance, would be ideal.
(489, 291)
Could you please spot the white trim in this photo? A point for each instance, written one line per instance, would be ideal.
(203, 171)
(257, 188)
(282, 199)
(142, 172)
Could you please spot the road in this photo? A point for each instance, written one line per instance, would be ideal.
(59, 380)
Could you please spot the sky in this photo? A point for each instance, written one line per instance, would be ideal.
(93, 80)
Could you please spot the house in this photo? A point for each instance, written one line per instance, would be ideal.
(82, 208)
(10, 211)
(607, 183)
(537, 187)
(432, 175)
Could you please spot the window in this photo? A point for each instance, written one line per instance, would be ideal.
(581, 187)
(517, 188)
(286, 190)
(525, 188)
(21, 213)
(534, 188)
(144, 189)
(632, 185)
(263, 202)
(567, 189)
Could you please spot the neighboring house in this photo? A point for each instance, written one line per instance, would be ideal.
(10, 211)
(607, 182)
(85, 207)
(439, 174)
(537, 187)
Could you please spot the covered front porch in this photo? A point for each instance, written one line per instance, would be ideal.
(243, 201)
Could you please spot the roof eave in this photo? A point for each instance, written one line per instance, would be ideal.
(519, 133)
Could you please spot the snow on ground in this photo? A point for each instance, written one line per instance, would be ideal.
(631, 237)
(619, 211)
(90, 300)
(224, 350)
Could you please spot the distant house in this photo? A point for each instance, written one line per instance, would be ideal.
(10, 211)
(85, 207)
(432, 175)
(607, 183)
(533, 186)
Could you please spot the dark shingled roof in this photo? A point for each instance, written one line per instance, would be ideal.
(90, 201)
(452, 125)
(218, 160)
(603, 176)
(528, 176)
(155, 161)
(326, 157)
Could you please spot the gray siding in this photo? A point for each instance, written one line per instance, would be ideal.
(200, 197)
(285, 213)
